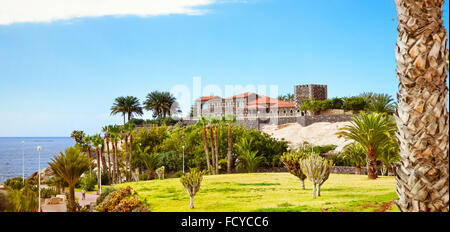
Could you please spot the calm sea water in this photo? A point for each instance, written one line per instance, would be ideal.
(11, 154)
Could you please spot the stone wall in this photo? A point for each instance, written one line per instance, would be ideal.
(302, 92)
(347, 170)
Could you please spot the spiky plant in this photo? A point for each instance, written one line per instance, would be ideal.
(356, 153)
(70, 165)
(191, 182)
(317, 169)
(291, 161)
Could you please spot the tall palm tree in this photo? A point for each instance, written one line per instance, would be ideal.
(97, 141)
(119, 107)
(115, 137)
(70, 165)
(78, 136)
(107, 133)
(133, 107)
(371, 131)
(422, 116)
(129, 128)
(160, 103)
(229, 120)
(87, 146)
(356, 153)
(203, 123)
(379, 103)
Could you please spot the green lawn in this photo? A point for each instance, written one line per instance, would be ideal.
(270, 192)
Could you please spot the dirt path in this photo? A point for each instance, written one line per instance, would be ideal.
(62, 207)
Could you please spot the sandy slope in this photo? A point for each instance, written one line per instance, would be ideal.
(322, 133)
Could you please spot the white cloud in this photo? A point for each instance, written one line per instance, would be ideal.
(21, 11)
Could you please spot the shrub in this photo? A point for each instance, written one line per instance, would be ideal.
(143, 176)
(88, 182)
(172, 160)
(49, 192)
(292, 162)
(104, 194)
(121, 200)
(24, 200)
(354, 103)
(14, 183)
(191, 182)
(317, 169)
(177, 174)
(4, 204)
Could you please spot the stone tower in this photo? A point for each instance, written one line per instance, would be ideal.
(302, 92)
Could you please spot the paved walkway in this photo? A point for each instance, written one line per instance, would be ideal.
(62, 207)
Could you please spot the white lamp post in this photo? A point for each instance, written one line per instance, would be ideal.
(23, 162)
(39, 149)
(100, 170)
(183, 158)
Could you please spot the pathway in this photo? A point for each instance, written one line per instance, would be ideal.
(62, 207)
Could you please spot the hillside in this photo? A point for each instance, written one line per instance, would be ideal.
(322, 133)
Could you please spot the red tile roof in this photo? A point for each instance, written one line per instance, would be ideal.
(207, 98)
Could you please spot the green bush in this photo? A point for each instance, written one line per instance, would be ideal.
(88, 182)
(177, 174)
(143, 176)
(49, 192)
(349, 103)
(172, 160)
(354, 103)
(14, 183)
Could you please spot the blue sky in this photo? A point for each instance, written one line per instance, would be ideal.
(58, 76)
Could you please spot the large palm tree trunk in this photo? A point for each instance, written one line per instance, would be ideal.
(216, 146)
(127, 174)
(213, 155)
(130, 163)
(230, 147)
(99, 172)
(72, 198)
(109, 161)
(372, 171)
(422, 117)
(206, 147)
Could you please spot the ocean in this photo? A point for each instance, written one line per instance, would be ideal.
(11, 154)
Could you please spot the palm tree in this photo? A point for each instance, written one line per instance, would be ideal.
(87, 142)
(160, 103)
(202, 123)
(129, 128)
(248, 159)
(70, 165)
(114, 132)
(119, 107)
(356, 153)
(133, 107)
(379, 103)
(229, 120)
(371, 131)
(78, 136)
(150, 160)
(107, 133)
(97, 141)
(422, 115)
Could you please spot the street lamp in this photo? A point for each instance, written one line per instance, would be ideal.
(39, 149)
(99, 169)
(23, 162)
(183, 158)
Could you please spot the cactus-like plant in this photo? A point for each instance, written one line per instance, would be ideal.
(292, 162)
(191, 182)
(160, 172)
(317, 169)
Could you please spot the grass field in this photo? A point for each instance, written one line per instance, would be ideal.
(270, 192)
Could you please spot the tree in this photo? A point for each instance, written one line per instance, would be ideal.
(248, 159)
(371, 131)
(106, 131)
(287, 98)
(114, 132)
(87, 142)
(78, 136)
(70, 165)
(291, 161)
(129, 129)
(422, 116)
(160, 103)
(97, 141)
(317, 169)
(202, 123)
(119, 107)
(191, 182)
(356, 153)
(150, 160)
(128, 105)
(379, 103)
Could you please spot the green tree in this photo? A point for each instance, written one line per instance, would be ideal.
(78, 136)
(97, 141)
(248, 159)
(70, 165)
(356, 153)
(160, 103)
(292, 162)
(371, 131)
(191, 182)
(379, 103)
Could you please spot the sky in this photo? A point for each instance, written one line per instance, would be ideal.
(63, 62)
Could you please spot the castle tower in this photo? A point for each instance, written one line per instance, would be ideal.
(302, 92)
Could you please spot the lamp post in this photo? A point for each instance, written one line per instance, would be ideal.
(183, 158)
(23, 163)
(39, 149)
(100, 169)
